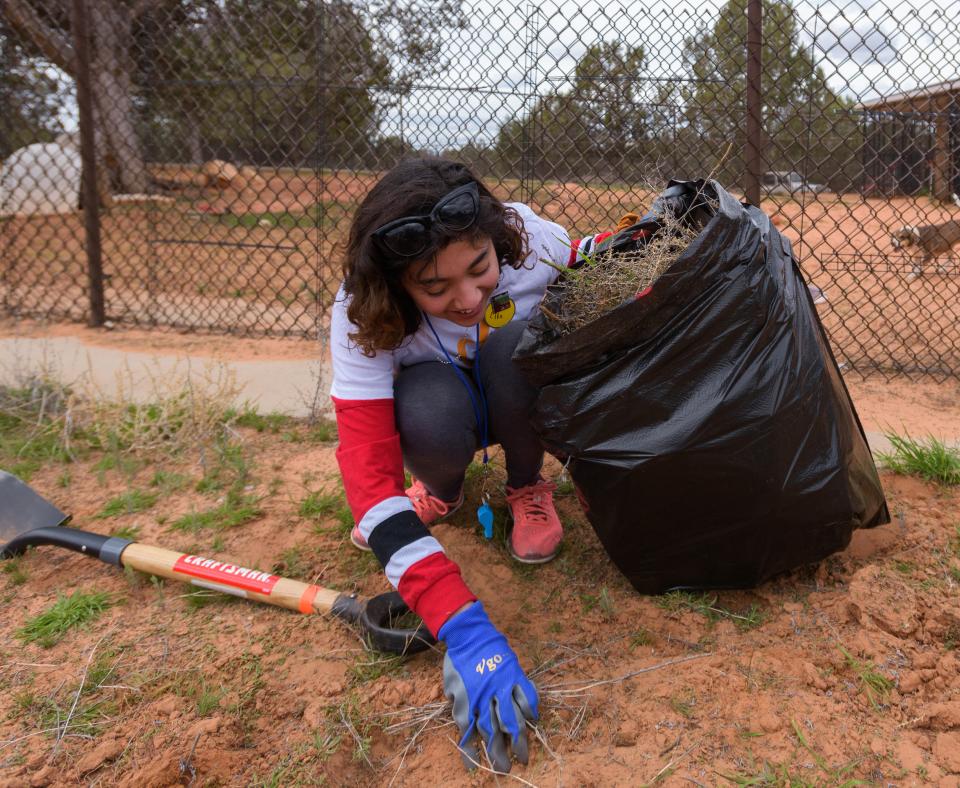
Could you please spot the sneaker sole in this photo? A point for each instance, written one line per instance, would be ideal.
(517, 558)
(360, 545)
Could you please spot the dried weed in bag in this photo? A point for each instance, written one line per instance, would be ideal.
(617, 273)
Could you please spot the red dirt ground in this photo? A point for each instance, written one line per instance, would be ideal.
(636, 690)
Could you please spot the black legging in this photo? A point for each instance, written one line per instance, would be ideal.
(438, 429)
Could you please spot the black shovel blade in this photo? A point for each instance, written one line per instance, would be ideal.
(22, 510)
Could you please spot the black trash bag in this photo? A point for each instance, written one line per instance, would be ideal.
(709, 433)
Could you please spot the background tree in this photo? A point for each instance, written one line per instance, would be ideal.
(598, 125)
(258, 80)
(44, 28)
(803, 119)
(263, 82)
(31, 97)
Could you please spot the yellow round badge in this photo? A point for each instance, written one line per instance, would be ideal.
(500, 311)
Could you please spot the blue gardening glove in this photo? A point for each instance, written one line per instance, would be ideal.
(491, 695)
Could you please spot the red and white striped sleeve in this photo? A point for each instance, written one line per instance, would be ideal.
(582, 248)
(371, 465)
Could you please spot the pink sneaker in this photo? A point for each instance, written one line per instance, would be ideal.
(428, 507)
(537, 531)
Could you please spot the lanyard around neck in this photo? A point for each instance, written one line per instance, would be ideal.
(479, 407)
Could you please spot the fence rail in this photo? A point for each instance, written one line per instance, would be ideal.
(231, 141)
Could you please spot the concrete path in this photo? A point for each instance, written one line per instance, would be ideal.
(273, 386)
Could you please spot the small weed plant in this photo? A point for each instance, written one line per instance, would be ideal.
(169, 481)
(874, 684)
(707, 605)
(68, 612)
(15, 571)
(372, 665)
(294, 564)
(131, 532)
(235, 510)
(208, 699)
(319, 505)
(322, 431)
(272, 423)
(932, 459)
(602, 602)
(130, 502)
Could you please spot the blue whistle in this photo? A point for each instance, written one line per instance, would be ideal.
(485, 516)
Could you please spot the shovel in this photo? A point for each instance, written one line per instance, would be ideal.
(27, 519)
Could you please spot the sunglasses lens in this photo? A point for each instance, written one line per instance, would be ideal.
(407, 239)
(459, 212)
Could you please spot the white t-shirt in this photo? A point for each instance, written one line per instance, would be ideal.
(360, 377)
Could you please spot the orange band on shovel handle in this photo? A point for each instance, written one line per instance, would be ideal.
(306, 600)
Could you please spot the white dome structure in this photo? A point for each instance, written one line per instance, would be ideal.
(42, 178)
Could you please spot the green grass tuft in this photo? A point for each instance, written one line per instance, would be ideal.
(131, 532)
(25, 448)
(951, 638)
(208, 699)
(684, 704)
(49, 714)
(317, 505)
(294, 564)
(373, 665)
(264, 422)
(931, 460)
(198, 598)
(641, 637)
(78, 609)
(342, 516)
(113, 460)
(323, 431)
(600, 601)
(169, 481)
(706, 605)
(129, 502)
(875, 685)
(235, 510)
(904, 567)
(230, 468)
(15, 571)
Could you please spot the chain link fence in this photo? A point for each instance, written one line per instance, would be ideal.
(232, 140)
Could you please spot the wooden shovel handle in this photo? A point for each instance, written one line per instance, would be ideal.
(229, 578)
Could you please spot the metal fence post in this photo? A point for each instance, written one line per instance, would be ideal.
(753, 154)
(88, 155)
(528, 138)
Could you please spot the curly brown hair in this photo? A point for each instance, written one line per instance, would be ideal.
(380, 307)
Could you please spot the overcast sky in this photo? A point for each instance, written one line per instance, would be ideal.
(865, 48)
